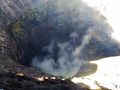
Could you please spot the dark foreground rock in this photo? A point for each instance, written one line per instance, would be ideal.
(11, 81)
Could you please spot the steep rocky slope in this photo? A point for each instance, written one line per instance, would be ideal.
(11, 10)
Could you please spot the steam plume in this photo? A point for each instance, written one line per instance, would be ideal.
(64, 56)
(68, 62)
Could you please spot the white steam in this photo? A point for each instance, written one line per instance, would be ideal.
(68, 63)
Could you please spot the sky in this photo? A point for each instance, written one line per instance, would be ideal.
(110, 9)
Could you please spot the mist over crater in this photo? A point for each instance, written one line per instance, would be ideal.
(60, 37)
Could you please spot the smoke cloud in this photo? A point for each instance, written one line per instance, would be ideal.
(68, 59)
(73, 26)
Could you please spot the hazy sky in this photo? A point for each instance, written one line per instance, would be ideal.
(110, 9)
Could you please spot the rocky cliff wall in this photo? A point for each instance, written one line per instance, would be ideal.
(12, 9)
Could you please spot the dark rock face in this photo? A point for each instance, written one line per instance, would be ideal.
(11, 10)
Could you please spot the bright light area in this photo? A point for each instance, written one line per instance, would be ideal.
(86, 81)
(107, 74)
(110, 9)
(39, 79)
